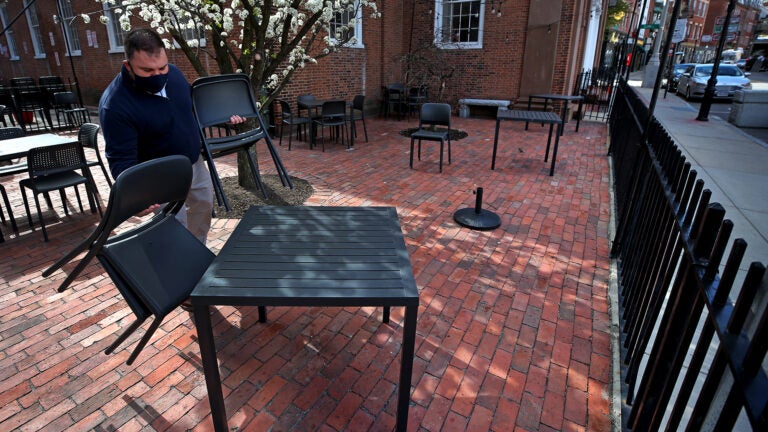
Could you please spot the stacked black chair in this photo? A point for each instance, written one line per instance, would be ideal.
(217, 98)
(67, 109)
(156, 264)
(54, 168)
(289, 119)
(433, 115)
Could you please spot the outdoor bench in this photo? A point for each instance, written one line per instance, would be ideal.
(464, 104)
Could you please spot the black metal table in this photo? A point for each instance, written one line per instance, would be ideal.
(566, 99)
(309, 256)
(544, 117)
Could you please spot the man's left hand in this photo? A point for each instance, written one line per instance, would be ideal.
(236, 119)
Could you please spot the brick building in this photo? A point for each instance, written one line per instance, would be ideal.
(513, 48)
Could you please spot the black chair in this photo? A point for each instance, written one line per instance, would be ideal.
(66, 108)
(302, 102)
(51, 85)
(395, 100)
(432, 115)
(417, 96)
(290, 120)
(332, 114)
(88, 135)
(54, 168)
(215, 99)
(7, 111)
(357, 113)
(154, 265)
(10, 170)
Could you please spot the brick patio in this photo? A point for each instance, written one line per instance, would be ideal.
(513, 330)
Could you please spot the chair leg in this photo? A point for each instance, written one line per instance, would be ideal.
(255, 172)
(10, 211)
(40, 216)
(365, 130)
(411, 153)
(449, 149)
(103, 168)
(144, 339)
(441, 155)
(123, 336)
(26, 208)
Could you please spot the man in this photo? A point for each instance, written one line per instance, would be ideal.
(146, 113)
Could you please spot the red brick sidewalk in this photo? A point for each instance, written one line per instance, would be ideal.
(513, 330)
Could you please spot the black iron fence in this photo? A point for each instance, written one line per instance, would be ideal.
(675, 289)
(596, 85)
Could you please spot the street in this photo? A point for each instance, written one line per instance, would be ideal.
(722, 108)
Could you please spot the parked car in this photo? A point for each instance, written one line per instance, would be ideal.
(730, 78)
(675, 75)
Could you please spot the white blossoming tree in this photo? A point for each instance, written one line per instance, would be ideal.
(269, 40)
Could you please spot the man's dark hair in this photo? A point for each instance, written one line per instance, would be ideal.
(142, 40)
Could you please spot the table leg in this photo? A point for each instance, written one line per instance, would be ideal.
(554, 151)
(562, 116)
(406, 367)
(549, 140)
(210, 367)
(495, 144)
(529, 108)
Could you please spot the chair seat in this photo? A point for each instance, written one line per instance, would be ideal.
(428, 134)
(54, 181)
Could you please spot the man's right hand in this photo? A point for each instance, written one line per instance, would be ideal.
(151, 209)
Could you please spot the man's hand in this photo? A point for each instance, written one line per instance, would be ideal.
(150, 209)
(236, 119)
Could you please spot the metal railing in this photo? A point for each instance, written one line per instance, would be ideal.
(674, 293)
(596, 85)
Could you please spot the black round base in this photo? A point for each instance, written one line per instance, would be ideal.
(469, 218)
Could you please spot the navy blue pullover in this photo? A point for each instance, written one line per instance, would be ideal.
(139, 126)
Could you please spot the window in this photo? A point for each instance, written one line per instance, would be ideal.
(34, 30)
(115, 31)
(459, 23)
(11, 51)
(69, 26)
(348, 24)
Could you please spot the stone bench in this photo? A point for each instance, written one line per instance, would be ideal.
(464, 104)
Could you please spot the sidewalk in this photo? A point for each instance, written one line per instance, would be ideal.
(732, 163)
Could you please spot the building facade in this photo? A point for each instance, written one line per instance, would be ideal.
(495, 49)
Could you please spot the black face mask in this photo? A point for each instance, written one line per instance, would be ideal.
(151, 84)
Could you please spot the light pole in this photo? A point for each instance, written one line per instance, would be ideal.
(65, 30)
(653, 64)
(709, 92)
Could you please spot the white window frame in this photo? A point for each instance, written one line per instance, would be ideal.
(34, 30)
(10, 37)
(441, 6)
(191, 34)
(68, 24)
(357, 39)
(115, 32)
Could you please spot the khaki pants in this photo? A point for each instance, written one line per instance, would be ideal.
(197, 210)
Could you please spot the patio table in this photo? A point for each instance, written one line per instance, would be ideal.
(16, 148)
(566, 99)
(544, 117)
(309, 256)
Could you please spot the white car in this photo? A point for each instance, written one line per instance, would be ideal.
(730, 78)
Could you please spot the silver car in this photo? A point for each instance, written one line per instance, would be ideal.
(730, 78)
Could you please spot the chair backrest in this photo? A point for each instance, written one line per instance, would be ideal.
(285, 109)
(11, 132)
(435, 114)
(215, 99)
(333, 109)
(358, 103)
(88, 135)
(23, 82)
(49, 160)
(64, 99)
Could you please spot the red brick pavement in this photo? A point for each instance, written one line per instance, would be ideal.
(513, 330)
